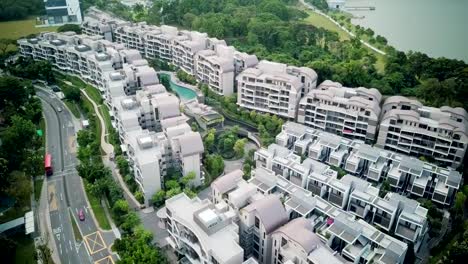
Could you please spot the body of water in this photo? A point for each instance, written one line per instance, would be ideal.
(184, 93)
(438, 28)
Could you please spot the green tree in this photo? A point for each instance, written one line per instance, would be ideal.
(158, 198)
(70, 27)
(71, 93)
(187, 179)
(139, 196)
(209, 140)
(239, 147)
(130, 221)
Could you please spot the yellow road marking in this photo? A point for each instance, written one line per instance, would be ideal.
(94, 242)
(106, 260)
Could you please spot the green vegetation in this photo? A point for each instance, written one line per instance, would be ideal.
(14, 10)
(175, 184)
(38, 188)
(76, 230)
(21, 153)
(21, 28)
(249, 164)
(74, 108)
(70, 27)
(320, 4)
(340, 171)
(185, 77)
(322, 22)
(98, 210)
(277, 31)
(136, 247)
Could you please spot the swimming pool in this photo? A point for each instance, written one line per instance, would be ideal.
(184, 93)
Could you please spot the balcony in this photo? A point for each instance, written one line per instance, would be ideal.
(336, 199)
(405, 232)
(357, 209)
(383, 221)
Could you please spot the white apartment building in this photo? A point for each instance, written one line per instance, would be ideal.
(216, 68)
(349, 112)
(258, 221)
(410, 128)
(97, 22)
(184, 48)
(152, 130)
(203, 232)
(63, 12)
(274, 88)
(158, 42)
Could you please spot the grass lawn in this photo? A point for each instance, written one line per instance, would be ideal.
(21, 28)
(321, 21)
(38, 188)
(106, 116)
(25, 250)
(98, 211)
(76, 231)
(73, 108)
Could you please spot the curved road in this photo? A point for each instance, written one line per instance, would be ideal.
(65, 194)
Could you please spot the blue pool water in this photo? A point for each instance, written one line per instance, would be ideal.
(184, 93)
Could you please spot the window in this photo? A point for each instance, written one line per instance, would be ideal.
(257, 222)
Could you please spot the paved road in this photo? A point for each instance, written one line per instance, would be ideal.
(65, 194)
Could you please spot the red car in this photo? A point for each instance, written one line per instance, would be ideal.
(81, 215)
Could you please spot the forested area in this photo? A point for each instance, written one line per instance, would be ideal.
(274, 30)
(21, 152)
(15, 10)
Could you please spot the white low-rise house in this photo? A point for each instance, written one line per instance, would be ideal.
(411, 225)
(274, 88)
(296, 242)
(203, 232)
(336, 4)
(258, 221)
(350, 112)
(375, 164)
(410, 128)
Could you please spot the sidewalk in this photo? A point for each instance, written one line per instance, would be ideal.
(109, 150)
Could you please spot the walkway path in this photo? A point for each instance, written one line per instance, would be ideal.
(312, 8)
(109, 151)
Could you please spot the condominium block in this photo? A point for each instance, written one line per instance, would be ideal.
(410, 128)
(274, 88)
(97, 22)
(352, 113)
(203, 232)
(216, 68)
(184, 48)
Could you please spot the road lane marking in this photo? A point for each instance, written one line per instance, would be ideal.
(94, 242)
(105, 260)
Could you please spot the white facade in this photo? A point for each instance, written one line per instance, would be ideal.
(410, 128)
(203, 232)
(274, 88)
(348, 112)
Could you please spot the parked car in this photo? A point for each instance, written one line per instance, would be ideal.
(81, 215)
(59, 109)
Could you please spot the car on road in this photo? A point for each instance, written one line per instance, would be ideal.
(59, 109)
(81, 215)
